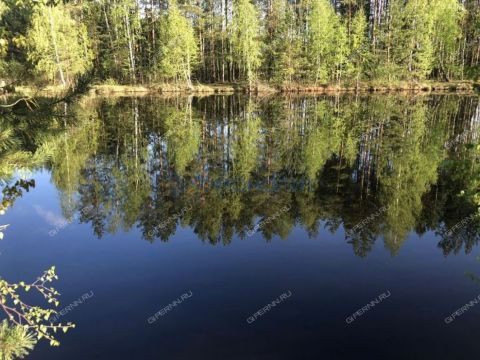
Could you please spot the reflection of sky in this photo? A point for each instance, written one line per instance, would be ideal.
(49, 217)
(132, 279)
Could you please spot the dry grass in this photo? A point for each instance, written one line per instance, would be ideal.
(379, 86)
(168, 89)
(111, 89)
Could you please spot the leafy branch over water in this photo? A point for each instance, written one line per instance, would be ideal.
(33, 318)
(25, 323)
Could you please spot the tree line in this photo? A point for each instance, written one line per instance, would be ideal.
(232, 41)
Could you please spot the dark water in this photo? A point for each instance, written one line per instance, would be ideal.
(321, 205)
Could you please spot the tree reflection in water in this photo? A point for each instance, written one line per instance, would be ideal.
(237, 160)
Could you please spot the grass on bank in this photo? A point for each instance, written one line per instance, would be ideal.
(109, 88)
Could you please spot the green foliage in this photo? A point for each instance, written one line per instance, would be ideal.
(178, 45)
(115, 27)
(410, 39)
(15, 17)
(286, 56)
(13, 155)
(447, 35)
(359, 48)
(470, 170)
(336, 160)
(33, 319)
(67, 151)
(132, 41)
(10, 194)
(245, 148)
(327, 47)
(246, 40)
(15, 341)
(415, 168)
(3, 41)
(422, 38)
(182, 137)
(471, 31)
(322, 141)
(58, 45)
(3, 8)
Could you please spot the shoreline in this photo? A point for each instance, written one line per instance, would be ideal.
(263, 89)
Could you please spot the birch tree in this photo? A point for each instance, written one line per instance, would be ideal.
(246, 41)
(447, 37)
(58, 45)
(358, 44)
(326, 42)
(178, 46)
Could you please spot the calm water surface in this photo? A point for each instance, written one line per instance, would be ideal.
(316, 206)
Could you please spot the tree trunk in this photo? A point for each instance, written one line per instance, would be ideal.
(130, 47)
(54, 42)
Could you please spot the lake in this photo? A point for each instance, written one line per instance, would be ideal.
(229, 227)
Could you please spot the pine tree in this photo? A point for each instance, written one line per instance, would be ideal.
(273, 23)
(286, 47)
(471, 29)
(15, 20)
(389, 39)
(178, 45)
(246, 41)
(3, 41)
(411, 38)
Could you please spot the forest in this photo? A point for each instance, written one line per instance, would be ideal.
(279, 42)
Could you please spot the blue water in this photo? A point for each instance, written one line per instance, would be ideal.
(132, 279)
